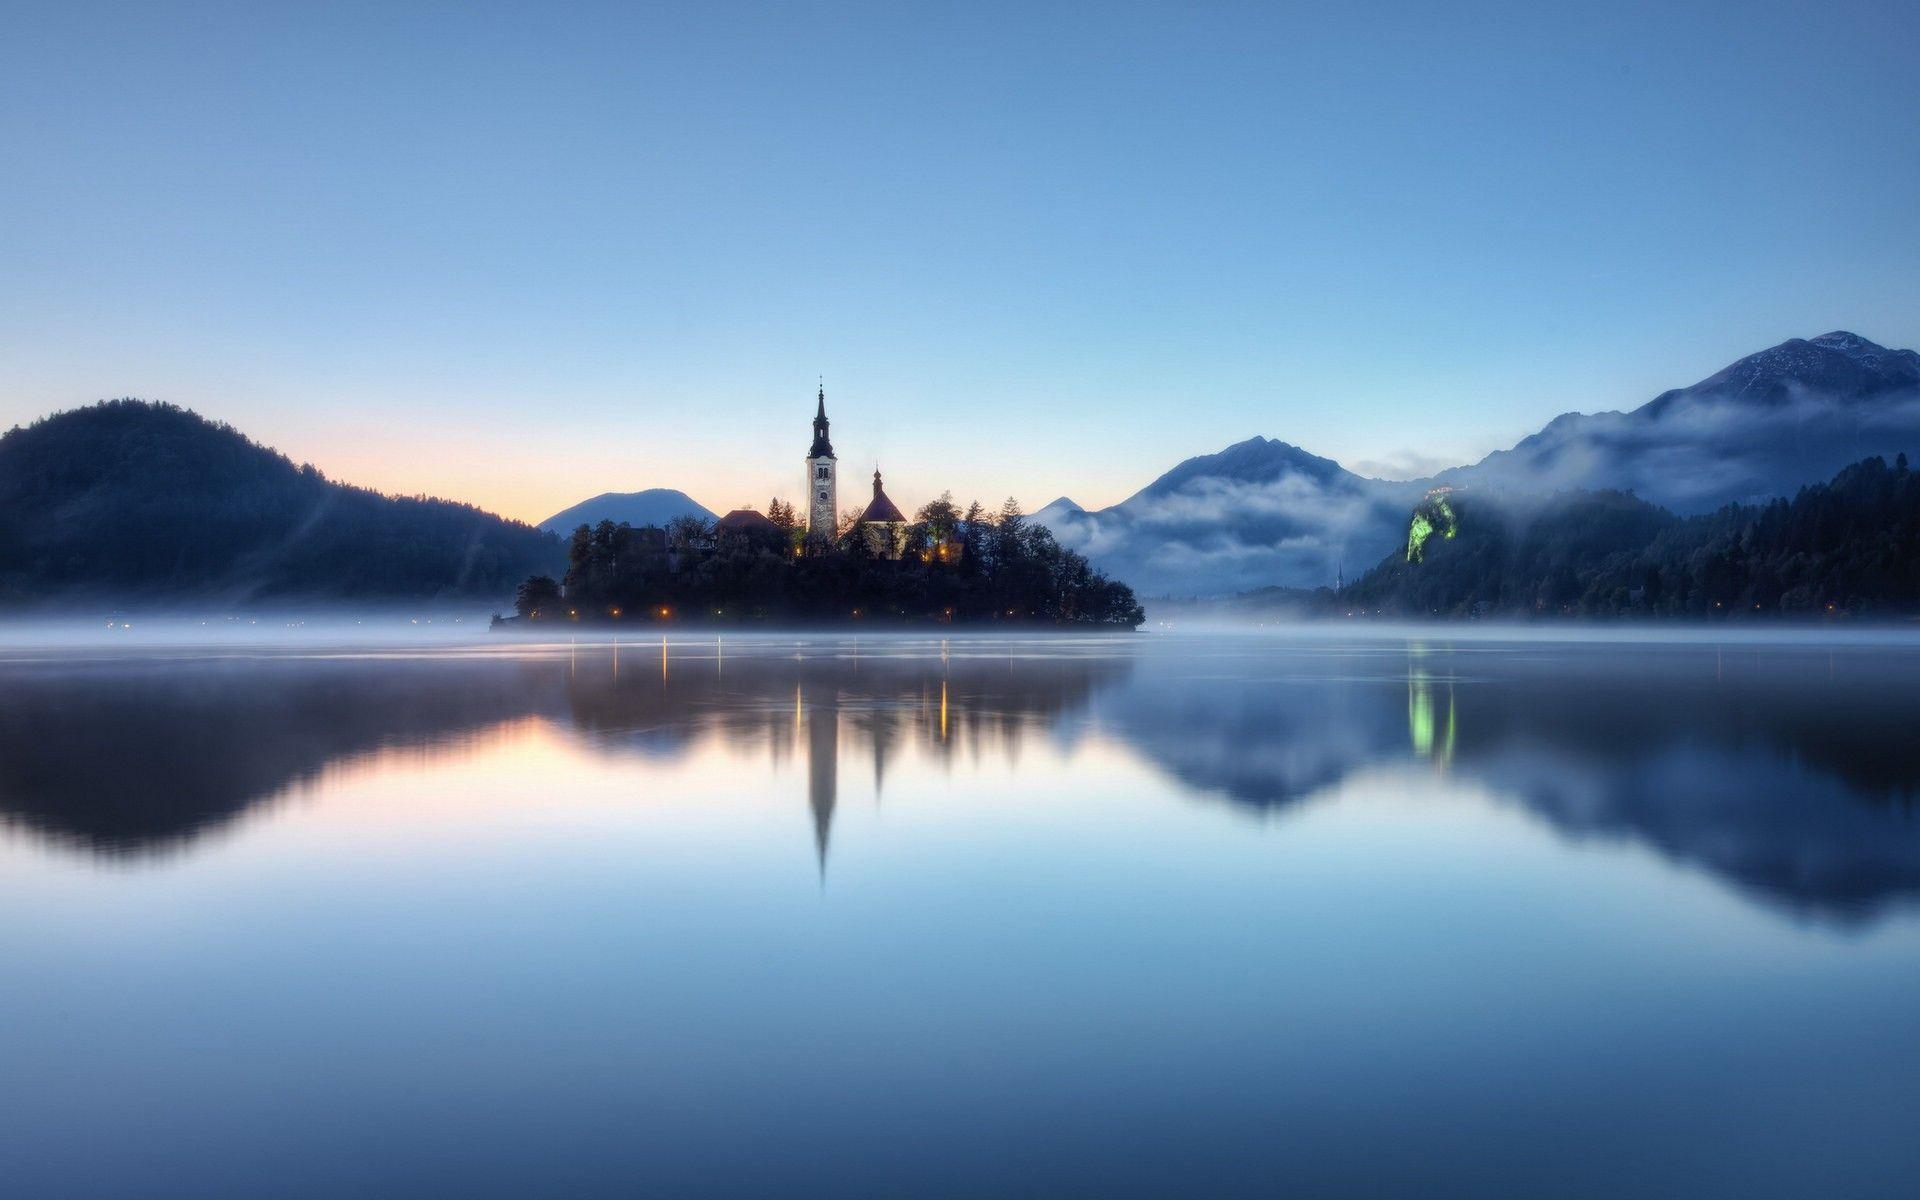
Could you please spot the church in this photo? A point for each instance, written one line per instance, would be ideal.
(885, 524)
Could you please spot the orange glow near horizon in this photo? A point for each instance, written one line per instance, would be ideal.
(527, 470)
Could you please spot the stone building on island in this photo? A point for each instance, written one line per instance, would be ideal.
(885, 524)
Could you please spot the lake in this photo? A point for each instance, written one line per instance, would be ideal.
(1440, 913)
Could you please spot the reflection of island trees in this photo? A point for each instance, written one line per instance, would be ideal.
(832, 702)
(1780, 775)
(131, 757)
(135, 757)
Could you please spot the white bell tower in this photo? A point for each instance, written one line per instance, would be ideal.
(823, 493)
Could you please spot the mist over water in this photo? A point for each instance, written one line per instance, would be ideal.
(111, 630)
(1337, 911)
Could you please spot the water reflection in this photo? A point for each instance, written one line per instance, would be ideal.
(826, 701)
(1430, 727)
(1786, 775)
(136, 758)
(133, 758)
(1789, 774)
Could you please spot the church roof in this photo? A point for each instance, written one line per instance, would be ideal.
(743, 519)
(881, 509)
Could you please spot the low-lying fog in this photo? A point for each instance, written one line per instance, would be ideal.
(280, 628)
(424, 627)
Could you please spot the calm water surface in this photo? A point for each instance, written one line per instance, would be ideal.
(1157, 915)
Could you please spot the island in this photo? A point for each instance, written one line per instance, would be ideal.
(944, 566)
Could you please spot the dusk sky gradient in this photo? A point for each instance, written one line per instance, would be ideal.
(521, 254)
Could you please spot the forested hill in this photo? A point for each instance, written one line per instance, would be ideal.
(1848, 547)
(141, 502)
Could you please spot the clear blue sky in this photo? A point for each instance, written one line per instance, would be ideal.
(522, 253)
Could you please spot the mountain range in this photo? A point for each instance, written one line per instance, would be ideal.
(1257, 512)
(129, 499)
(1263, 512)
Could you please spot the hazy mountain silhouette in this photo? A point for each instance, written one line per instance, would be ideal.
(1259, 512)
(139, 501)
(1265, 513)
(1058, 509)
(654, 506)
(1764, 426)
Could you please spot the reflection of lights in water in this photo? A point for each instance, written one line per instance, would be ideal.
(1433, 735)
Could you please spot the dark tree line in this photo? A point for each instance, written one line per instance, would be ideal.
(1850, 546)
(955, 567)
(134, 500)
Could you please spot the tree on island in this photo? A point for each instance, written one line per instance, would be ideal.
(537, 595)
(786, 520)
(940, 517)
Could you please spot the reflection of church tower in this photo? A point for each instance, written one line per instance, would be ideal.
(823, 762)
(822, 489)
(886, 732)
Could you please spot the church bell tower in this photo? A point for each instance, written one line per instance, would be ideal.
(822, 491)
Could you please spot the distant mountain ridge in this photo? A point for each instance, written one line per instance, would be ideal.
(653, 506)
(1790, 415)
(1265, 513)
(1257, 511)
(141, 502)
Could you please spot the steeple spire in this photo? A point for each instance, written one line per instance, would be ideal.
(822, 445)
